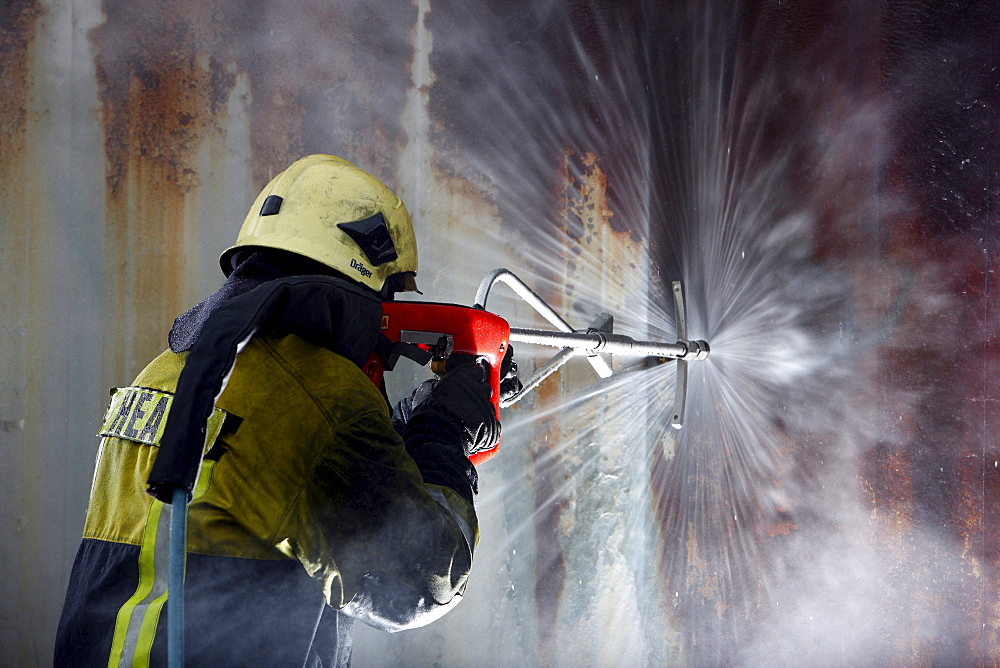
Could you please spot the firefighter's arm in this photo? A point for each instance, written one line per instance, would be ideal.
(388, 546)
(445, 421)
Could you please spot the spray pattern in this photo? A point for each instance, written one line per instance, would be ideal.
(758, 506)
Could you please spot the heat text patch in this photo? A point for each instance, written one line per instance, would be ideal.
(140, 414)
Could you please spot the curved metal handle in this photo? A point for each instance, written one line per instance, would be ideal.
(527, 294)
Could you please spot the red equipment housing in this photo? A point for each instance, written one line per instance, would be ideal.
(443, 330)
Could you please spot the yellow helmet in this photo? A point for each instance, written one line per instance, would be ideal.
(325, 208)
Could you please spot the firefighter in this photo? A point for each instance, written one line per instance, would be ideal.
(314, 506)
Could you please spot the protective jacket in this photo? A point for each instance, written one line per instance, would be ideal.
(310, 511)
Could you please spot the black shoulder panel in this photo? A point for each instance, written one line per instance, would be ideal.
(325, 311)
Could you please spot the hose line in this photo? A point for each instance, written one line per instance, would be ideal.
(175, 578)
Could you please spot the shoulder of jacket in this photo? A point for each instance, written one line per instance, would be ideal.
(336, 384)
(162, 372)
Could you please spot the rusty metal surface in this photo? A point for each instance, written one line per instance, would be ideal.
(48, 317)
(17, 30)
(577, 143)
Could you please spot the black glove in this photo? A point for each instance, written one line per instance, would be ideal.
(462, 399)
(404, 408)
(509, 383)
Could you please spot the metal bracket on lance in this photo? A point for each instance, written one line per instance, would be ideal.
(681, 386)
(695, 350)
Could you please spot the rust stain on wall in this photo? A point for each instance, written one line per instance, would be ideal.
(550, 472)
(935, 492)
(17, 33)
(581, 516)
(20, 219)
(162, 82)
(17, 28)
